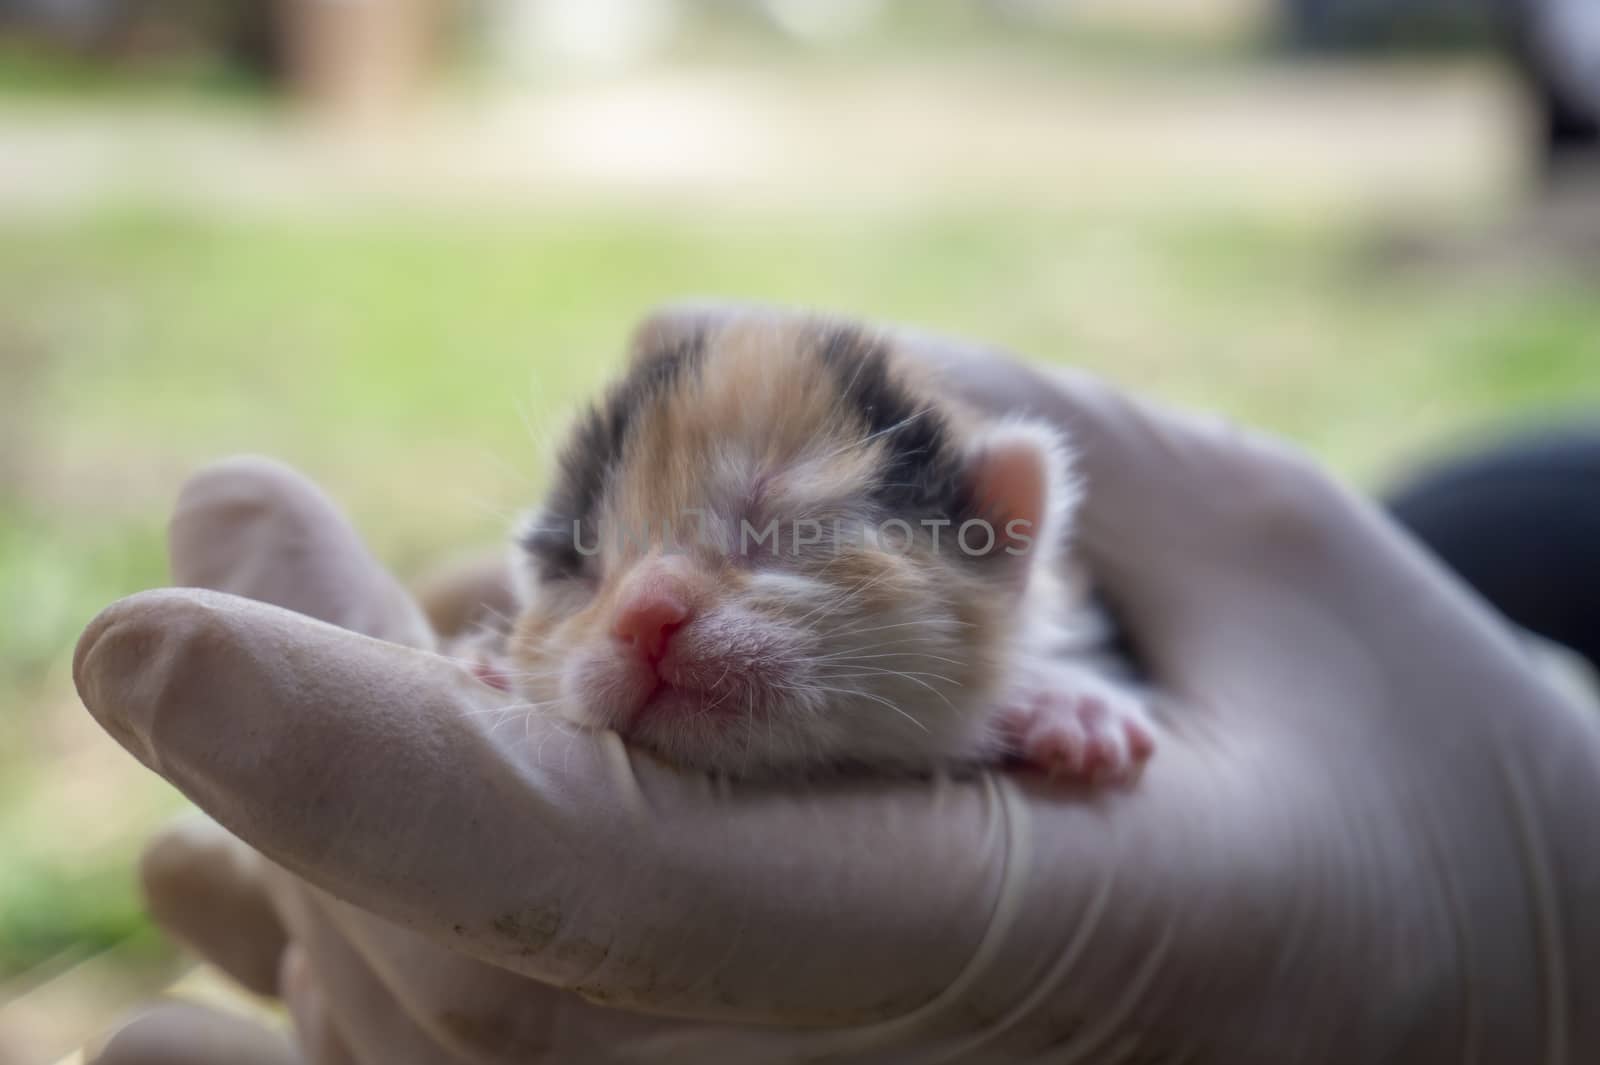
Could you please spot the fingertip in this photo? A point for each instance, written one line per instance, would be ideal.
(204, 888)
(245, 476)
(241, 508)
(257, 528)
(221, 502)
(112, 662)
(185, 1033)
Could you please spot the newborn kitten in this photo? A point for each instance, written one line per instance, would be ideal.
(778, 549)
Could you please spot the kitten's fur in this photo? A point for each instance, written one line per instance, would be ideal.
(896, 652)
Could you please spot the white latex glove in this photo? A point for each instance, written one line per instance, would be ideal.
(1366, 837)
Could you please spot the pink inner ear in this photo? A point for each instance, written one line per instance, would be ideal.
(1011, 479)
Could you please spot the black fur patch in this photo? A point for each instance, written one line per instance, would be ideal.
(592, 452)
(925, 476)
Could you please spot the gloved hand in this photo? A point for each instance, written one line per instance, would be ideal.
(1366, 835)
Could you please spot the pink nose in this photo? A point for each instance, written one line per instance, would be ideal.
(648, 617)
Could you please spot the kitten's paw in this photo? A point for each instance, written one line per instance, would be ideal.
(1094, 734)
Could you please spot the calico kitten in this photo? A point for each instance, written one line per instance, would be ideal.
(778, 547)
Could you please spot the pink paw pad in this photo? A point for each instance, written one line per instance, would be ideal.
(1090, 737)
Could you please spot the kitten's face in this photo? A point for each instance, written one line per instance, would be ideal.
(737, 568)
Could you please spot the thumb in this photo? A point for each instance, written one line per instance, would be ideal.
(378, 773)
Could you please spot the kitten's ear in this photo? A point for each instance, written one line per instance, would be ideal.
(1024, 487)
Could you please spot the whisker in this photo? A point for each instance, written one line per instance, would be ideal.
(843, 657)
(864, 695)
(511, 708)
(868, 671)
(897, 625)
(912, 677)
(845, 597)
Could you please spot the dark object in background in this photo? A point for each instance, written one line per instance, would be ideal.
(1557, 45)
(1570, 134)
(1345, 25)
(366, 57)
(255, 42)
(130, 31)
(1521, 524)
(65, 22)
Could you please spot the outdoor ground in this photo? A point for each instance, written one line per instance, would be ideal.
(409, 317)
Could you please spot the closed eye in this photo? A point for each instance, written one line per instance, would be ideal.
(790, 594)
(560, 551)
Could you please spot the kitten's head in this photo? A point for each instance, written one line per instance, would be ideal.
(771, 549)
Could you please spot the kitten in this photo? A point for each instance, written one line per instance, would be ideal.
(779, 548)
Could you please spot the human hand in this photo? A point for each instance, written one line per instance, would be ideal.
(1365, 837)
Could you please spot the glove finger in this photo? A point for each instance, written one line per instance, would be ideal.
(257, 528)
(203, 887)
(185, 1033)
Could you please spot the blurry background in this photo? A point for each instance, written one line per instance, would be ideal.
(396, 241)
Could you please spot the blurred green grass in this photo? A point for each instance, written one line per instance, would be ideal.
(416, 365)
(34, 73)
